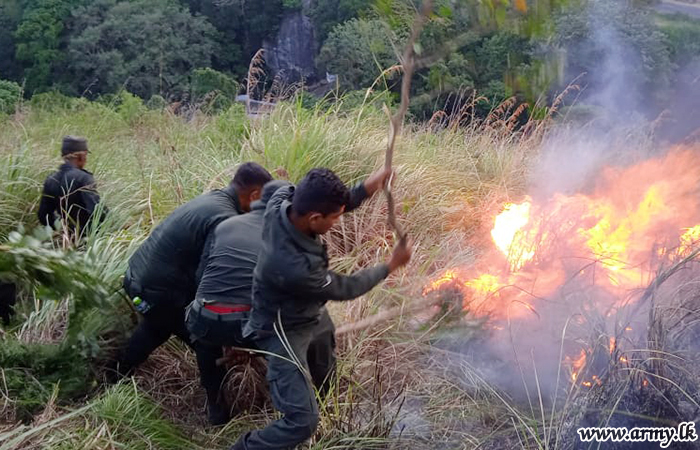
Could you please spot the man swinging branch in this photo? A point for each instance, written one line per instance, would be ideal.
(291, 285)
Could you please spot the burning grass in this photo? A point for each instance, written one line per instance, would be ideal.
(602, 269)
(481, 343)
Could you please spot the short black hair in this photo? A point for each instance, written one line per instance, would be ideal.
(251, 175)
(320, 191)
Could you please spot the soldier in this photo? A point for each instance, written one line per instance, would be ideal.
(162, 275)
(223, 301)
(70, 194)
(291, 285)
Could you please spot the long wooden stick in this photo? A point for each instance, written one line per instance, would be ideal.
(384, 316)
(408, 62)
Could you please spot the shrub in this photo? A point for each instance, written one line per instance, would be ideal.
(10, 96)
(214, 90)
(156, 102)
(51, 101)
(130, 107)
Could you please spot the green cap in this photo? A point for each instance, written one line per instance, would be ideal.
(137, 301)
(73, 144)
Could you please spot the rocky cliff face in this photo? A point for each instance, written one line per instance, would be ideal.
(292, 52)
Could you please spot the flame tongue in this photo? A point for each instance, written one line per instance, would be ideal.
(507, 233)
(484, 284)
(577, 365)
(689, 239)
(613, 239)
(633, 212)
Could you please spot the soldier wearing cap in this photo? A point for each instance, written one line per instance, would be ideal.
(69, 194)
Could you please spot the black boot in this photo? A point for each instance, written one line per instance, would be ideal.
(217, 413)
(8, 299)
(217, 409)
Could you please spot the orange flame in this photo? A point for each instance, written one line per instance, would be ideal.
(614, 237)
(577, 365)
(689, 240)
(507, 233)
(448, 277)
(485, 284)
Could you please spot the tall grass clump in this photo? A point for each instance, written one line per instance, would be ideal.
(121, 417)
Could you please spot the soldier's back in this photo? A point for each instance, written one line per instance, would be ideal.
(69, 194)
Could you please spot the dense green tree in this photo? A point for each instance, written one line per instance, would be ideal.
(38, 40)
(243, 25)
(358, 51)
(499, 55)
(458, 58)
(146, 46)
(465, 49)
(228, 19)
(618, 47)
(326, 14)
(483, 66)
(206, 81)
(453, 73)
(683, 37)
(10, 15)
(96, 47)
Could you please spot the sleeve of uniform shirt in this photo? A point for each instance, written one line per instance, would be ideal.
(47, 207)
(206, 251)
(324, 284)
(280, 195)
(358, 194)
(89, 194)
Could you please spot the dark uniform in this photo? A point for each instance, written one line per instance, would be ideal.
(223, 301)
(8, 298)
(291, 285)
(69, 194)
(162, 272)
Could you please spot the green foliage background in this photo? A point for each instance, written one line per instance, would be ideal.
(166, 48)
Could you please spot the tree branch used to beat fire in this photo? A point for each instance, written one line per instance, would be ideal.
(408, 63)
